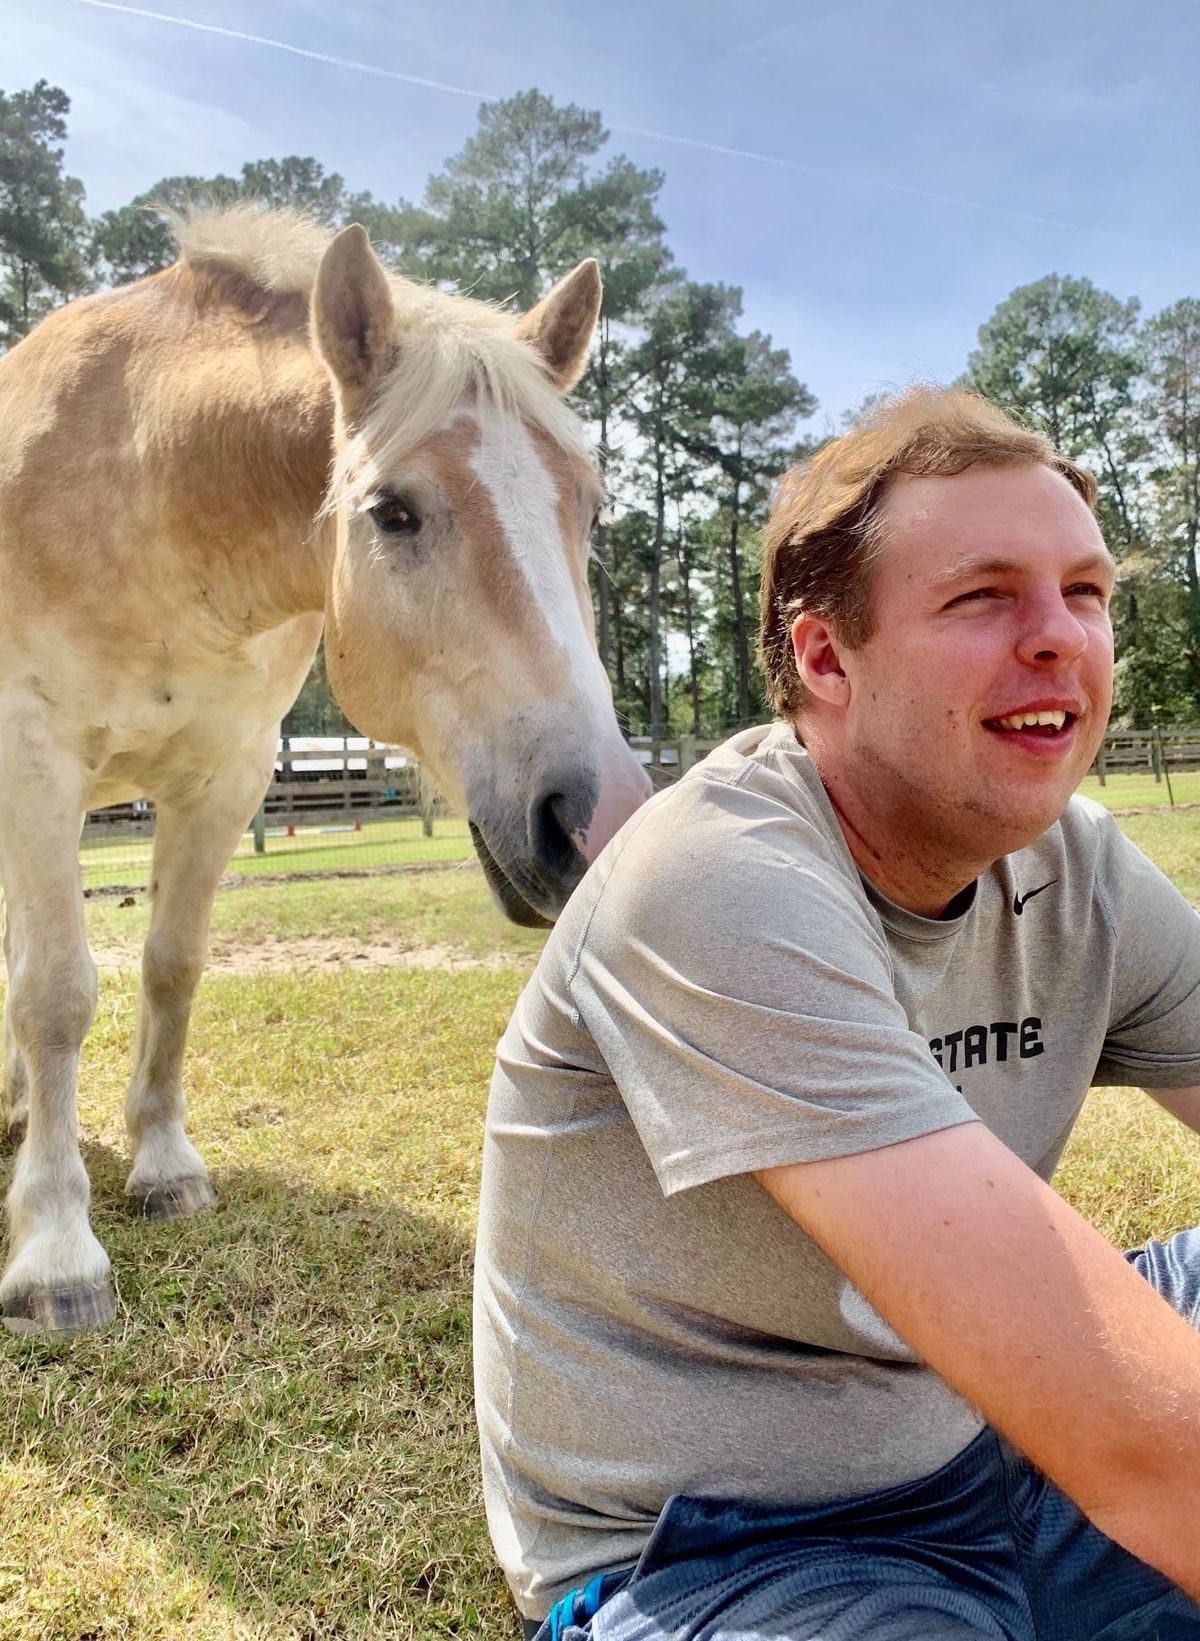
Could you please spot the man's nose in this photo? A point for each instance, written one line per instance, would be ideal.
(1051, 631)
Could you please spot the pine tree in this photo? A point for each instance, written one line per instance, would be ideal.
(136, 239)
(758, 404)
(1172, 408)
(673, 377)
(42, 220)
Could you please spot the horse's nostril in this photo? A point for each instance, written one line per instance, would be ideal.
(550, 837)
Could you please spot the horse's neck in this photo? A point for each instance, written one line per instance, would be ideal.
(244, 414)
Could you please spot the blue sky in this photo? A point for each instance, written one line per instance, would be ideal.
(905, 163)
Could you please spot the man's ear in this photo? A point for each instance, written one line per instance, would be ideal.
(818, 656)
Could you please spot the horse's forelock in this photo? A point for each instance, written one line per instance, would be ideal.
(450, 348)
(440, 372)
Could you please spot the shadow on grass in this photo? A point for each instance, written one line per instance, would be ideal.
(282, 1413)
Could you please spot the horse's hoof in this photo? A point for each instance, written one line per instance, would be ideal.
(178, 1199)
(60, 1310)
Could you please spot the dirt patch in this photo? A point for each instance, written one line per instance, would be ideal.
(1154, 808)
(313, 953)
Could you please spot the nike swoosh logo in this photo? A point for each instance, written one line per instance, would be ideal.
(1021, 901)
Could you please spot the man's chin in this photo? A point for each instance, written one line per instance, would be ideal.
(1023, 818)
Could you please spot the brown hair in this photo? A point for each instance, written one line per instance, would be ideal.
(823, 536)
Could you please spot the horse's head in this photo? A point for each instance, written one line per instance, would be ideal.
(459, 621)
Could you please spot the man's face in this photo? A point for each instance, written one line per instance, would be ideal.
(990, 599)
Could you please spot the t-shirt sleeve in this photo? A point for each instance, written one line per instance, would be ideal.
(1153, 1037)
(741, 994)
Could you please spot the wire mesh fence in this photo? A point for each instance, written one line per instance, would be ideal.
(336, 804)
(340, 804)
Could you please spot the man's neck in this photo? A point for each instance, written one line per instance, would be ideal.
(918, 874)
(925, 885)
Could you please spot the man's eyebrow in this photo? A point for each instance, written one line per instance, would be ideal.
(968, 569)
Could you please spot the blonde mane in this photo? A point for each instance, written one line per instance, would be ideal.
(450, 347)
(275, 250)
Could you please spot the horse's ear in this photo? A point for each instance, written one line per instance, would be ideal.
(561, 325)
(352, 314)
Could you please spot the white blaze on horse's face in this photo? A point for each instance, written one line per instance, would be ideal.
(536, 511)
(459, 617)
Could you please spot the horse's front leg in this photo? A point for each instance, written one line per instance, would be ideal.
(192, 845)
(58, 1277)
(16, 1076)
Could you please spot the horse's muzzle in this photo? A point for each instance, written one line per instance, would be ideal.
(534, 859)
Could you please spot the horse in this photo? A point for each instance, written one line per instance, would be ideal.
(198, 471)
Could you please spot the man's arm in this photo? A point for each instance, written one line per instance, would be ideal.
(1183, 1103)
(1031, 1316)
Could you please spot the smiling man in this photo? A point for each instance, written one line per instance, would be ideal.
(780, 1329)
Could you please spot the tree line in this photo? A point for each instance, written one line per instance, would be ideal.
(695, 416)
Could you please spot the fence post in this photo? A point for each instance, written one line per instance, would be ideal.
(1100, 764)
(1156, 755)
(1162, 770)
(260, 828)
(687, 753)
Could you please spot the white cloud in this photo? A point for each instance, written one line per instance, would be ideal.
(126, 129)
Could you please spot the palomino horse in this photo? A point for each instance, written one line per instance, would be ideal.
(193, 471)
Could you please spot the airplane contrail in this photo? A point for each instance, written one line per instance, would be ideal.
(775, 160)
(743, 46)
(283, 45)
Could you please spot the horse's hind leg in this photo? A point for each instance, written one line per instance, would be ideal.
(192, 846)
(58, 1276)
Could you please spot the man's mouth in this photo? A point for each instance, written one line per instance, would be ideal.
(1045, 723)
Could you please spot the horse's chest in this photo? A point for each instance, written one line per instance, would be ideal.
(164, 735)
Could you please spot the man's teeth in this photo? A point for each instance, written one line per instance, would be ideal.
(1029, 720)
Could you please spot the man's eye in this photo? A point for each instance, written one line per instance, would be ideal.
(974, 595)
(1088, 589)
(394, 517)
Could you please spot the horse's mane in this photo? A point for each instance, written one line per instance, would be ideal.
(450, 347)
(275, 250)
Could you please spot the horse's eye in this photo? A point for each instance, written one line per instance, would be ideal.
(394, 516)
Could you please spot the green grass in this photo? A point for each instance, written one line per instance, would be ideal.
(337, 847)
(447, 907)
(1143, 791)
(276, 1440)
(1172, 840)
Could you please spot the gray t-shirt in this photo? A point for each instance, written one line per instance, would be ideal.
(723, 993)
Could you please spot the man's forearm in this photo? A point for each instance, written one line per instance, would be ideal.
(1032, 1317)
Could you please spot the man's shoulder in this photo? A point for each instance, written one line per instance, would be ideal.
(1085, 835)
(751, 771)
(742, 855)
(1084, 857)
(756, 795)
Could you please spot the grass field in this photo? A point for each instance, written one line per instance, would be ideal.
(1143, 791)
(276, 1440)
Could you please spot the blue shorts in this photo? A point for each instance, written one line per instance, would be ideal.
(985, 1547)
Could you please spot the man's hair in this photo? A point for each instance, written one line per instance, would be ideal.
(823, 536)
